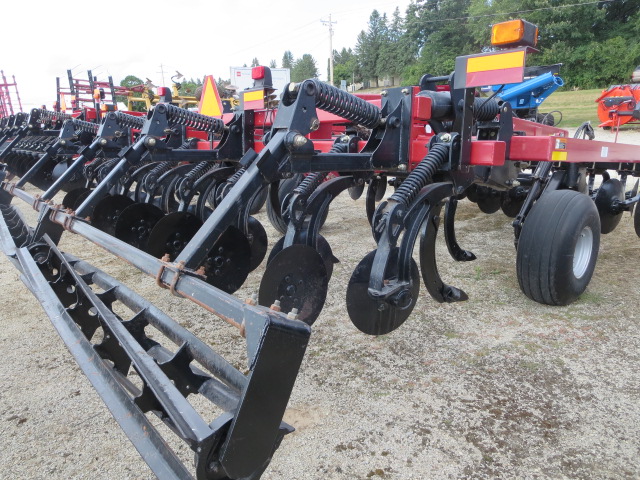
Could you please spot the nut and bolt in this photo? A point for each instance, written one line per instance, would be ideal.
(293, 314)
(253, 301)
(315, 125)
(276, 306)
(299, 141)
(151, 142)
(405, 91)
(445, 137)
(383, 93)
(103, 141)
(402, 167)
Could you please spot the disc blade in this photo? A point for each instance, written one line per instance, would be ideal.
(297, 278)
(489, 204)
(107, 211)
(228, 263)
(323, 248)
(373, 316)
(135, 223)
(356, 192)
(70, 200)
(610, 190)
(510, 206)
(172, 233)
(259, 243)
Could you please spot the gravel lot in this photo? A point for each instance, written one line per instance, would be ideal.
(495, 387)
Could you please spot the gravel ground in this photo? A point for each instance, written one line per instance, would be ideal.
(495, 387)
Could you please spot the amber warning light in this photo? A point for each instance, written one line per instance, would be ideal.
(514, 33)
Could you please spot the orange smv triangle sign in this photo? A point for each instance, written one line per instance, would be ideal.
(210, 103)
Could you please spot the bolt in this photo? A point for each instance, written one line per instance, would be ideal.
(299, 141)
(293, 314)
(151, 142)
(402, 167)
(445, 137)
(103, 141)
(63, 142)
(405, 91)
(383, 93)
(315, 125)
(276, 306)
(345, 139)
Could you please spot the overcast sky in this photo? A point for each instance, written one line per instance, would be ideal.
(42, 39)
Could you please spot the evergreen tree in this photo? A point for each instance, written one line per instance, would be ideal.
(304, 68)
(287, 59)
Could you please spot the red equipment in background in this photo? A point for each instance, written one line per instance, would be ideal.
(6, 107)
(618, 105)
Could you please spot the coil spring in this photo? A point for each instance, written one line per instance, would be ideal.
(341, 103)
(106, 167)
(125, 120)
(195, 120)
(485, 109)
(40, 115)
(83, 126)
(312, 181)
(421, 175)
(197, 172)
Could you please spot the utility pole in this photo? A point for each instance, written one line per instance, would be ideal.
(330, 25)
(162, 73)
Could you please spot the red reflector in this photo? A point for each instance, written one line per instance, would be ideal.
(257, 73)
(162, 91)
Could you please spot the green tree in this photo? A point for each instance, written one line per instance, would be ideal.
(255, 62)
(303, 68)
(132, 81)
(273, 64)
(345, 66)
(369, 45)
(287, 59)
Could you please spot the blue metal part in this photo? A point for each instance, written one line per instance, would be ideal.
(530, 93)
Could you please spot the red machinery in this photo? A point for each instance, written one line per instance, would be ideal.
(618, 105)
(6, 106)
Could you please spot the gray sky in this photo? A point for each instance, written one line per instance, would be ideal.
(42, 39)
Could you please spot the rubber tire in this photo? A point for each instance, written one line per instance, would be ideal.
(546, 247)
(636, 220)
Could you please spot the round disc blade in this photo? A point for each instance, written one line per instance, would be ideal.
(298, 279)
(259, 243)
(80, 199)
(324, 249)
(135, 222)
(377, 317)
(489, 204)
(107, 211)
(172, 233)
(70, 200)
(511, 207)
(228, 263)
(609, 190)
(356, 192)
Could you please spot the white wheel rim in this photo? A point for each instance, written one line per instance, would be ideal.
(582, 253)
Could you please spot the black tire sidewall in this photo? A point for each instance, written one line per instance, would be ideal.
(547, 245)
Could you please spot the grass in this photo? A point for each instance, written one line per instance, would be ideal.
(576, 106)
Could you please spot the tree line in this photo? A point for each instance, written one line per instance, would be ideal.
(595, 41)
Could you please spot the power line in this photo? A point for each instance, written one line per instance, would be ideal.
(512, 13)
